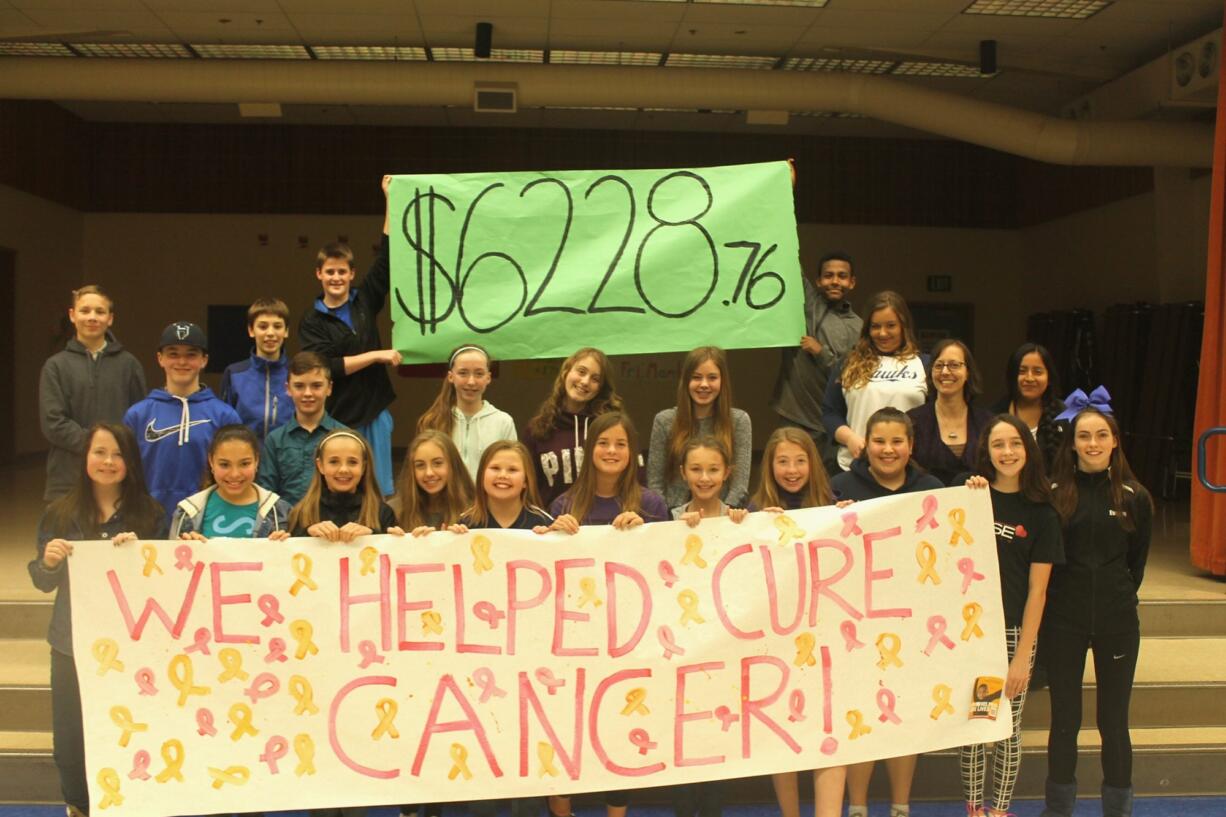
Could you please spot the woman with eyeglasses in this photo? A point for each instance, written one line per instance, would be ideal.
(948, 425)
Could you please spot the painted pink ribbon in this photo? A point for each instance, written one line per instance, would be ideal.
(667, 573)
(726, 717)
(276, 651)
(264, 685)
(928, 518)
(144, 681)
(796, 706)
(370, 654)
(886, 703)
(642, 740)
(276, 748)
(140, 766)
(204, 722)
(664, 634)
(545, 676)
(271, 608)
(966, 566)
(936, 628)
(488, 613)
(851, 525)
(183, 557)
(848, 629)
(484, 678)
(200, 642)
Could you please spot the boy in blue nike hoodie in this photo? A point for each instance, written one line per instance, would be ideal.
(174, 425)
(255, 387)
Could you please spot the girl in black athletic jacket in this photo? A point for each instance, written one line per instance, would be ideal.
(1092, 604)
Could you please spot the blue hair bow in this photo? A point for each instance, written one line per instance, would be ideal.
(1099, 399)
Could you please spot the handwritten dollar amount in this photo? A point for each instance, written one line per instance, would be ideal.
(441, 283)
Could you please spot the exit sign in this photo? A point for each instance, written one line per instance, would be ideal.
(940, 283)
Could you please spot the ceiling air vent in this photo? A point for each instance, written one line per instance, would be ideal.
(495, 97)
(1194, 71)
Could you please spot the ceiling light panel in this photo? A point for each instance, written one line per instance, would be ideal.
(368, 52)
(35, 50)
(496, 55)
(938, 69)
(646, 58)
(252, 52)
(159, 50)
(814, 4)
(849, 65)
(720, 61)
(1058, 9)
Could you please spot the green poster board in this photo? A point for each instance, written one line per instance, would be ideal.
(536, 265)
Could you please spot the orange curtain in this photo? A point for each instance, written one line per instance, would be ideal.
(1209, 509)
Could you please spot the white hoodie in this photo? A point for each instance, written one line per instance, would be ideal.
(472, 435)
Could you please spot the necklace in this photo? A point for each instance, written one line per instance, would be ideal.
(944, 422)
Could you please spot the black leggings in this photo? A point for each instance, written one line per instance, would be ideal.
(68, 740)
(1115, 664)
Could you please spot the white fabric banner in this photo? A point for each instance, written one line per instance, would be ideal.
(241, 675)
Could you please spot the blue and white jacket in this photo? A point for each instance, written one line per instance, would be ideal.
(256, 389)
(173, 434)
(271, 514)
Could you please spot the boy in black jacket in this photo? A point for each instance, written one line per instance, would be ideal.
(341, 326)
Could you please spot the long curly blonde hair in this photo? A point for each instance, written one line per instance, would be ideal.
(864, 358)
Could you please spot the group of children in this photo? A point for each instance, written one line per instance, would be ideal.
(1072, 523)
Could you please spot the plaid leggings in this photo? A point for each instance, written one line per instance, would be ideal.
(1008, 752)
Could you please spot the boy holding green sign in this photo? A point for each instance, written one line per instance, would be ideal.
(831, 330)
(341, 327)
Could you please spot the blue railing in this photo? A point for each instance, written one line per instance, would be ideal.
(1201, 459)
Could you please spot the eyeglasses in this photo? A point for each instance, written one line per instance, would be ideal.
(951, 366)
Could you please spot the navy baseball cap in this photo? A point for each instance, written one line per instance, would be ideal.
(183, 333)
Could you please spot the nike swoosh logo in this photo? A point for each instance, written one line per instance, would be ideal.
(152, 434)
(1117, 657)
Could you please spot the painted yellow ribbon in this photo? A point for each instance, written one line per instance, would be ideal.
(369, 556)
(688, 600)
(240, 716)
(234, 775)
(108, 781)
(789, 531)
(121, 716)
(172, 755)
(926, 556)
(183, 677)
(301, 689)
(231, 661)
(587, 593)
(693, 552)
(301, 631)
(544, 753)
(304, 747)
(480, 548)
(636, 702)
(888, 646)
(941, 694)
(106, 653)
(301, 565)
(805, 642)
(970, 614)
(431, 622)
(957, 518)
(150, 554)
(459, 762)
(855, 719)
(386, 709)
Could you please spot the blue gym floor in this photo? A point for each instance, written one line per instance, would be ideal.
(1145, 807)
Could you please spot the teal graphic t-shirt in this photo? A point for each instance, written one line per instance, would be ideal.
(226, 520)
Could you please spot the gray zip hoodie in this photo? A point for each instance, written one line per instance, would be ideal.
(472, 435)
(75, 391)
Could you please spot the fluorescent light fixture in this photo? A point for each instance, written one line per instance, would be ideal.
(815, 4)
(720, 61)
(35, 50)
(854, 66)
(496, 55)
(1056, 9)
(585, 108)
(646, 58)
(368, 52)
(174, 50)
(917, 68)
(251, 52)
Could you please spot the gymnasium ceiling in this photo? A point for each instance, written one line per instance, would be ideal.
(1044, 62)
